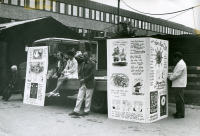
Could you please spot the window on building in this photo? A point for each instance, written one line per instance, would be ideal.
(87, 13)
(93, 14)
(21, 2)
(69, 9)
(152, 27)
(146, 25)
(172, 31)
(75, 11)
(123, 19)
(116, 19)
(143, 25)
(149, 26)
(140, 24)
(132, 22)
(47, 5)
(102, 16)
(54, 6)
(112, 18)
(155, 27)
(136, 23)
(32, 3)
(161, 29)
(5, 1)
(80, 12)
(107, 17)
(97, 15)
(40, 6)
(14, 2)
(80, 31)
(120, 18)
(62, 8)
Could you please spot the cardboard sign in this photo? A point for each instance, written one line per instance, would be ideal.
(137, 79)
(36, 70)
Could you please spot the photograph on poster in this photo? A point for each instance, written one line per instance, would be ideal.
(37, 53)
(138, 86)
(116, 104)
(127, 105)
(34, 90)
(36, 67)
(119, 80)
(119, 54)
(153, 102)
(163, 105)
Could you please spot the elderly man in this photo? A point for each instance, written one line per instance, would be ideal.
(179, 82)
(87, 83)
(12, 83)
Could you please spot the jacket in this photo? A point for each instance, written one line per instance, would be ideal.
(87, 73)
(179, 76)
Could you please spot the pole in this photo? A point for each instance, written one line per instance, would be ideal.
(118, 16)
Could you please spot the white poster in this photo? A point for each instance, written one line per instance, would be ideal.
(36, 70)
(129, 78)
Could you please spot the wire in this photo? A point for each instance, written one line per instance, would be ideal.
(194, 22)
(177, 15)
(159, 14)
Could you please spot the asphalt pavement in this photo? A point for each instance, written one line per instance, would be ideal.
(18, 119)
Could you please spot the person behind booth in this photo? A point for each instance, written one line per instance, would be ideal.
(87, 83)
(12, 83)
(70, 72)
(179, 82)
(55, 72)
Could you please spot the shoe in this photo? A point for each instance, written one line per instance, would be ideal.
(56, 94)
(178, 117)
(50, 94)
(84, 114)
(175, 114)
(74, 113)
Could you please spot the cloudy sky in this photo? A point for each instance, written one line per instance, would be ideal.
(163, 6)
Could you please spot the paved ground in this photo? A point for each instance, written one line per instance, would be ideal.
(18, 119)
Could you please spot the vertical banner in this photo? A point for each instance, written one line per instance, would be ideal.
(130, 74)
(36, 70)
(158, 79)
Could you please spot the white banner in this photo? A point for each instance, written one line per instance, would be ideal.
(36, 70)
(130, 75)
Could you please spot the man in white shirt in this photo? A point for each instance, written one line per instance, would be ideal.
(179, 82)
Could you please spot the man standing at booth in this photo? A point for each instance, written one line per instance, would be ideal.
(87, 83)
(179, 82)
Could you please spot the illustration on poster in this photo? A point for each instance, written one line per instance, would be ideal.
(127, 105)
(138, 86)
(37, 54)
(163, 45)
(34, 90)
(36, 67)
(119, 80)
(115, 104)
(137, 106)
(153, 102)
(158, 57)
(119, 53)
(163, 105)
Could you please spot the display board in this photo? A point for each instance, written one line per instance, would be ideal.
(36, 70)
(137, 79)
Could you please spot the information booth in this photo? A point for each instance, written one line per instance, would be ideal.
(137, 79)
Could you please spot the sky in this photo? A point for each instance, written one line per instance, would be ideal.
(163, 6)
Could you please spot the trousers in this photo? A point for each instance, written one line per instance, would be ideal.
(179, 98)
(83, 91)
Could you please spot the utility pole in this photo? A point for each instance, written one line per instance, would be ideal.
(118, 16)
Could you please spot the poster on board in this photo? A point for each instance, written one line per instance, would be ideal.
(131, 76)
(36, 69)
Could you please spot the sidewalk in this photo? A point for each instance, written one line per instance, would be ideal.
(18, 119)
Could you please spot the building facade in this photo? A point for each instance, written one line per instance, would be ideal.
(90, 19)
